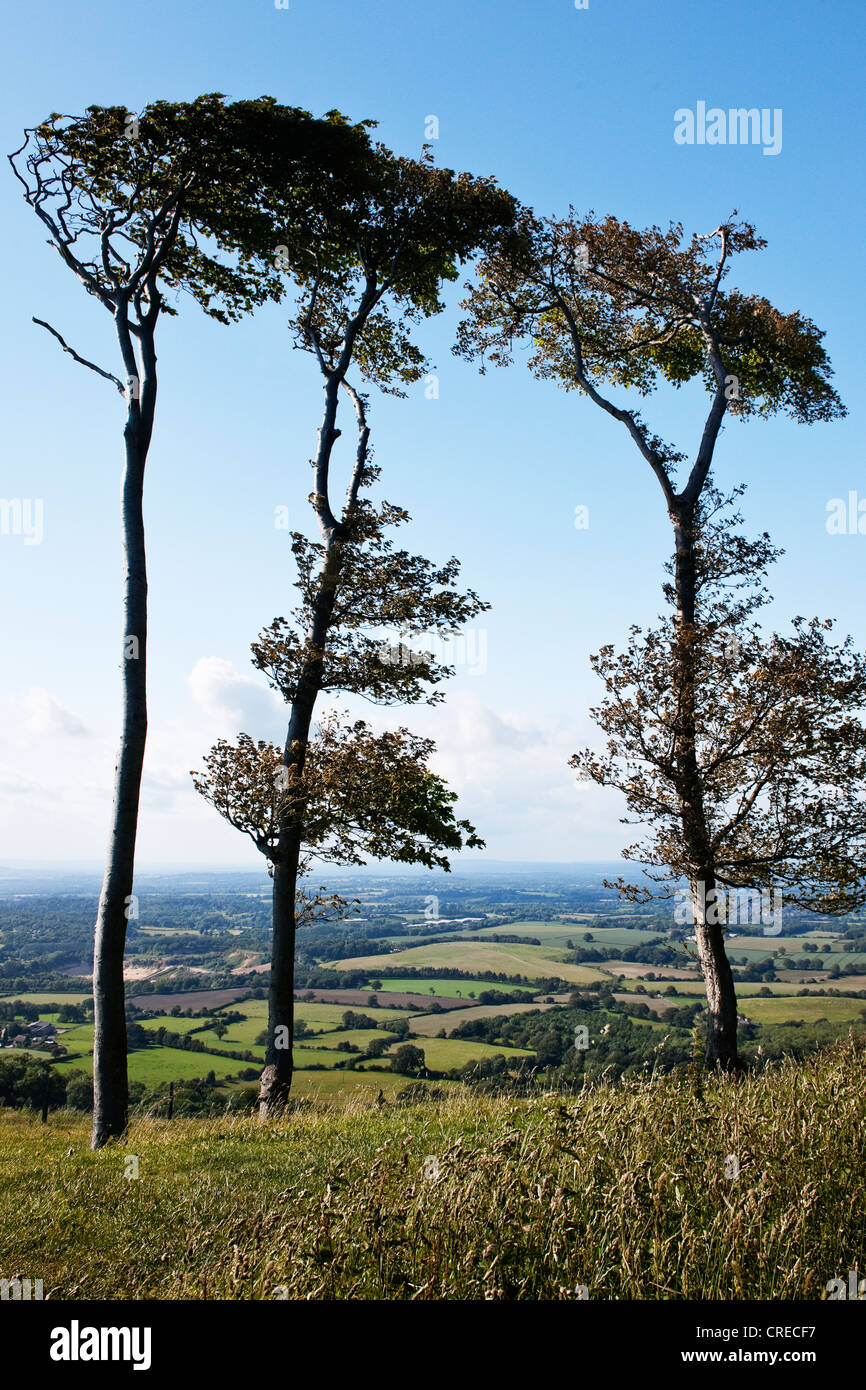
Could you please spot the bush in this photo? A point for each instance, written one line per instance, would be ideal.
(79, 1090)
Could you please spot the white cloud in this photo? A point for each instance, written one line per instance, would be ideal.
(235, 702)
(510, 770)
(40, 714)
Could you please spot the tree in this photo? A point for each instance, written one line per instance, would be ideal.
(601, 302)
(780, 740)
(183, 197)
(408, 1059)
(79, 1090)
(355, 309)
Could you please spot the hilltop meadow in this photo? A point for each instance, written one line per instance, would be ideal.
(666, 1187)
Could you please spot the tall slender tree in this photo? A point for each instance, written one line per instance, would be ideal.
(601, 302)
(780, 742)
(364, 290)
(182, 196)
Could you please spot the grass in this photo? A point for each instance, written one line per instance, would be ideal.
(428, 1025)
(560, 933)
(345, 1088)
(360, 1037)
(621, 1189)
(155, 1064)
(782, 1010)
(535, 962)
(441, 1054)
(448, 989)
(56, 997)
(172, 1025)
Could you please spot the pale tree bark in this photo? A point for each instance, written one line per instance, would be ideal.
(110, 1078)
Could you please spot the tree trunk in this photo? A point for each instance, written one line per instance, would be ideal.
(276, 1079)
(721, 1044)
(110, 1083)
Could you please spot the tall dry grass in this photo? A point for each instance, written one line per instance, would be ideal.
(627, 1192)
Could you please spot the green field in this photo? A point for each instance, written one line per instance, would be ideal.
(449, 989)
(787, 1010)
(237, 1037)
(535, 962)
(58, 997)
(745, 990)
(171, 1025)
(155, 1064)
(77, 1038)
(558, 934)
(428, 1025)
(441, 1054)
(360, 1037)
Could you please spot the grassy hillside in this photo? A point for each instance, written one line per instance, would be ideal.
(622, 1190)
(535, 962)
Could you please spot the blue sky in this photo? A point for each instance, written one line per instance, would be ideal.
(563, 106)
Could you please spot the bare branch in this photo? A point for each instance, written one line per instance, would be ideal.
(109, 376)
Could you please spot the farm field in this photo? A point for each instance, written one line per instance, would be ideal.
(786, 1010)
(428, 1025)
(358, 1037)
(329, 1016)
(319, 1017)
(444, 989)
(850, 984)
(155, 1064)
(472, 956)
(400, 1000)
(191, 999)
(635, 970)
(27, 997)
(77, 1037)
(173, 1025)
(441, 1054)
(558, 934)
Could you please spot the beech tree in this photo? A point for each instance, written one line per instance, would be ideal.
(181, 197)
(356, 306)
(600, 302)
(780, 743)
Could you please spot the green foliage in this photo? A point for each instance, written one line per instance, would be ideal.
(601, 301)
(24, 1081)
(218, 184)
(359, 794)
(780, 738)
(407, 1059)
(380, 590)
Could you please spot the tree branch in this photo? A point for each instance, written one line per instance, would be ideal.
(109, 376)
